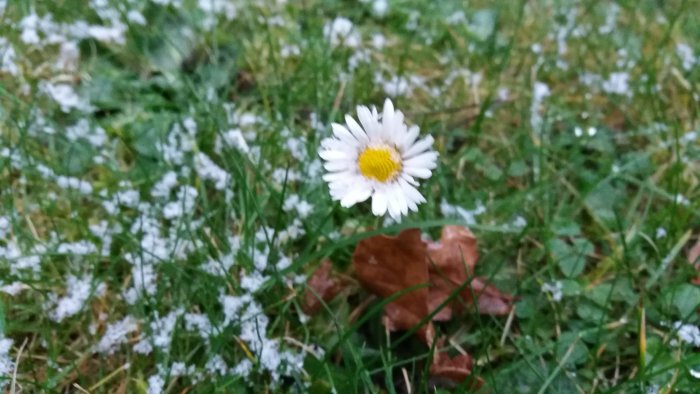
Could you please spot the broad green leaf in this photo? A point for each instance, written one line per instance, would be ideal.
(570, 342)
(570, 258)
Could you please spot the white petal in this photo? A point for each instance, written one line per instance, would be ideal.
(387, 127)
(336, 144)
(333, 143)
(369, 122)
(340, 189)
(397, 128)
(417, 172)
(413, 204)
(419, 147)
(343, 134)
(409, 138)
(404, 200)
(355, 129)
(338, 196)
(379, 203)
(401, 199)
(388, 112)
(409, 179)
(375, 113)
(335, 176)
(355, 195)
(338, 185)
(329, 155)
(394, 207)
(338, 165)
(396, 200)
(412, 194)
(398, 119)
(424, 160)
(328, 142)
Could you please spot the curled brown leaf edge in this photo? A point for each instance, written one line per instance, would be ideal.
(404, 264)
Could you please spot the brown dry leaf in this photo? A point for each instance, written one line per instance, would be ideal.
(456, 250)
(616, 120)
(694, 258)
(491, 301)
(455, 368)
(322, 286)
(451, 264)
(694, 254)
(387, 265)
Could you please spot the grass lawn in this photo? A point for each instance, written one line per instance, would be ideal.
(162, 204)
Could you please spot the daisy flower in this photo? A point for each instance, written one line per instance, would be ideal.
(381, 159)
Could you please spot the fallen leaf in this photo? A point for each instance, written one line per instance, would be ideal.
(455, 368)
(322, 287)
(451, 265)
(615, 120)
(456, 252)
(694, 258)
(491, 301)
(387, 265)
(694, 254)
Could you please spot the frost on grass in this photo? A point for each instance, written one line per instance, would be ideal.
(96, 136)
(468, 215)
(161, 333)
(180, 141)
(156, 384)
(115, 335)
(163, 187)
(341, 32)
(4, 226)
(182, 205)
(13, 288)
(8, 58)
(688, 333)
(253, 325)
(209, 170)
(80, 248)
(20, 262)
(219, 266)
(199, 324)
(7, 365)
(78, 291)
(213, 9)
(554, 289)
(686, 54)
(65, 96)
(618, 83)
(540, 91)
(233, 138)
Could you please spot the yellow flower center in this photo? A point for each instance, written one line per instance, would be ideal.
(381, 163)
